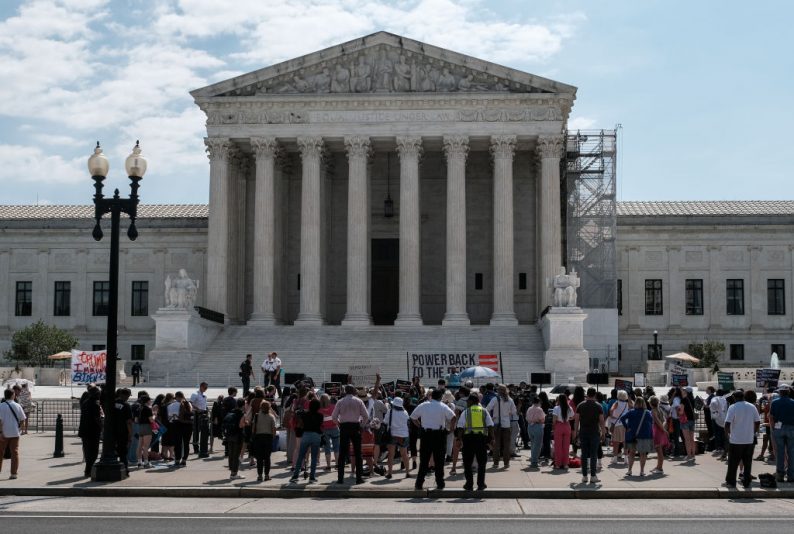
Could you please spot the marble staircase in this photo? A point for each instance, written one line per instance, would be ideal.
(322, 350)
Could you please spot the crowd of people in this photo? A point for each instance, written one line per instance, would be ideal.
(372, 431)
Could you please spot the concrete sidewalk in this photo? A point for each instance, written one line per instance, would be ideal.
(41, 474)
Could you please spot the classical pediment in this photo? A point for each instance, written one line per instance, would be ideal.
(382, 63)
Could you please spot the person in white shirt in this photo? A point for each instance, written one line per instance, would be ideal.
(741, 425)
(502, 410)
(201, 422)
(434, 417)
(396, 419)
(271, 368)
(11, 417)
(719, 409)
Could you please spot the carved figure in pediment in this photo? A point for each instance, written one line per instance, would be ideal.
(446, 82)
(361, 82)
(383, 72)
(467, 83)
(322, 81)
(340, 83)
(402, 76)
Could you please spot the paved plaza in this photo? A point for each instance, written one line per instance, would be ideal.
(41, 474)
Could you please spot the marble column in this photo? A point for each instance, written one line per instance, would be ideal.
(456, 148)
(358, 209)
(503, 149)
(311, 149)
(410, 314)
(239, 242)
(218, 149)
(550, 251)
(265, 149)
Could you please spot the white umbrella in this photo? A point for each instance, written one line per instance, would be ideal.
(683, 357)
(11, 382)
(479, 372)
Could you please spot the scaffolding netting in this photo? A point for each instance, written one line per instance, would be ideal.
(590, 214)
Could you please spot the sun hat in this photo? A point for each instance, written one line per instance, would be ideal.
(398, 402)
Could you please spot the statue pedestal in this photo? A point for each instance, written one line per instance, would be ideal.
(563, 335)
(180, 336)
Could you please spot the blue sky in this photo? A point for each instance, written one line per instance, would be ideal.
(702, 89)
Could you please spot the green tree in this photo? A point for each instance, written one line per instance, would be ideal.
(709, 353)
(34, 343)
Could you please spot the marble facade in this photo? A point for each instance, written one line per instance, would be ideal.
(297, 152)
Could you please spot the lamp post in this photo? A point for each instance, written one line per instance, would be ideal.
(109, 469)
(656, 345)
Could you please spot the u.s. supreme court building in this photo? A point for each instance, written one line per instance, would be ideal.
(388, 202)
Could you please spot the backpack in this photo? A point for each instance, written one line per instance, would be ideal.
(231, 425)
(136, 411)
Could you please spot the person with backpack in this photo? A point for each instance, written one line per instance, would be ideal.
(233, 433)
(263, 428)
(182, 423)
(11, 417)
(312, 421)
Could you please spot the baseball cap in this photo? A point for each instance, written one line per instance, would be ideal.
(784, 387)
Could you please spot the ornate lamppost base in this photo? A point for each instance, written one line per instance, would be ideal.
(108, 472)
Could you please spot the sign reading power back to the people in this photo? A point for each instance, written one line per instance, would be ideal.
(437, 365)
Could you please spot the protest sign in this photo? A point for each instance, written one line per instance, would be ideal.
(363, 374)
(333, 389)
(725, 381)
(679, 380)
(625, 385)
(389, 388)
(89, 366)
(639, 380)
(767, 378)
(435, 365)
(403, 385)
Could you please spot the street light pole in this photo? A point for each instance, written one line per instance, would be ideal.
(109, 468)
(656, 345)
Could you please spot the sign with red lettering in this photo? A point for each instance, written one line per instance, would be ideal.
(491, 361)
(89, 366)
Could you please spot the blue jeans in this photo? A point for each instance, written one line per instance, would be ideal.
(535, 431)
(309, 439)
(784, 441)
(331, 440)
(589, 442)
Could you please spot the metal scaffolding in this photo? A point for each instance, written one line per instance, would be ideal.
(590, 214)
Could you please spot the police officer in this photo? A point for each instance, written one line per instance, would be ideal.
(435, 419)
(476, 426)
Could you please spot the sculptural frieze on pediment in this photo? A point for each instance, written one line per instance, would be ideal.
(383, 69)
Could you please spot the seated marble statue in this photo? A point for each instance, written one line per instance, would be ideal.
(180, 292)
(564, 286)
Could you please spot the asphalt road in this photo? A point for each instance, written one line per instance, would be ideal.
(67, 515)
(382, 524)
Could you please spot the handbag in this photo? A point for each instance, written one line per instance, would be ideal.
(7, 452)
(383, 437)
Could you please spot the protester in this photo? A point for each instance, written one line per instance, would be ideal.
(686, 420)
(396, 420)
(183, 427)
(718, 407)
(11, 418)
(589, 428)
(90, 428)
(198, 402)
(562, 414)
(476, 429)
(536, 419)
(741, 425)
(350, 414)
(25, 400)
(271, 369)
(781, 418)
(660, 439)
(616, 429)
(122, 431)
(145, 420)
(233, 433)
(246, 372)
(434, 417)
(639, 434)
(263, 429)
(216, 422)
(330, 431)
(502, 410)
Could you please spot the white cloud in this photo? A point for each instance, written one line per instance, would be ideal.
(58, 140)
(581, 123)
(34, 165)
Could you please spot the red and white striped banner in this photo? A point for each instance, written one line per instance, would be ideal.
(491, 361)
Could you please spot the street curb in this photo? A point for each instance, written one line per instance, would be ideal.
(367, 493)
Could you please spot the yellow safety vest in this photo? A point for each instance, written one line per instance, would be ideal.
(475, 420)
